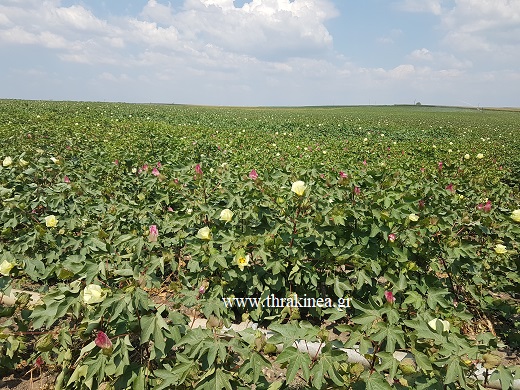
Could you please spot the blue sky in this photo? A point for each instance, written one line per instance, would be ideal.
(262, 52)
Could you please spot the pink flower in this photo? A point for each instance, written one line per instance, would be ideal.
(154, 233)
(364, 162)
(198, 170)
(391, 237)
(343, 175)
(170, 209)
(38, 362)
(145, 167)
(389, 297)
(155, 172)
(202, 289)
(422, 170)
(253, 175)
(480, 206)
(66, 179)
(159, 164)
(487, 206)
(440, 165)
(357, 190)
(116, 162)
(102, 341)
(449, 187)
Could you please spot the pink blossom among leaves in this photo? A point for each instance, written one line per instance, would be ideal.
(198, 170)
(253, 175)
(102, 341)
(155, 172)
(38, 362)
(66, 179)
(154, 233)
(389, 297)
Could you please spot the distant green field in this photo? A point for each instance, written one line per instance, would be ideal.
(134, 221)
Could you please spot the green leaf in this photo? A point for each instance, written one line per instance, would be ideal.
(454, 371)
(436, 297)
(325, 366)
(216, 380)
(377, 382)
(253, 366)
(295, 360)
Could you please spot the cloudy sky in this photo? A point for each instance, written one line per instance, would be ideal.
(262, 52)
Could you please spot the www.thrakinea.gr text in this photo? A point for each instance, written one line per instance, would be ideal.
(292, 301)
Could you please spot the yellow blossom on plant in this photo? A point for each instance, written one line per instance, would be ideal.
(515, 215)
(242, 261)
(204, 233)
(466, 156)
(480, 156)
(51, 221)
(55, 160)
(7, 161)
(93, 294)
(445, 324)
(500, 249)
(226, 215)
(413, 217)
(6, 267)
(298, 187)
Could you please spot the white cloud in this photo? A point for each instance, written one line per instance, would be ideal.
(429, 6)
(421, 55)
(483, 25)
(159, 13)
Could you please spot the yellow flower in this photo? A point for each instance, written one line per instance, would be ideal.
(445, 324)
(242, 261)
(51, 221)
(7, 161)
(413, 217)
(515, 215)
(500, 249)
(55, 160)
(23, 163)
(480, 156)
(6, 267)
(226, 215)
(204, 233)
(93, 294)
(466, 156)
(298, 187)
